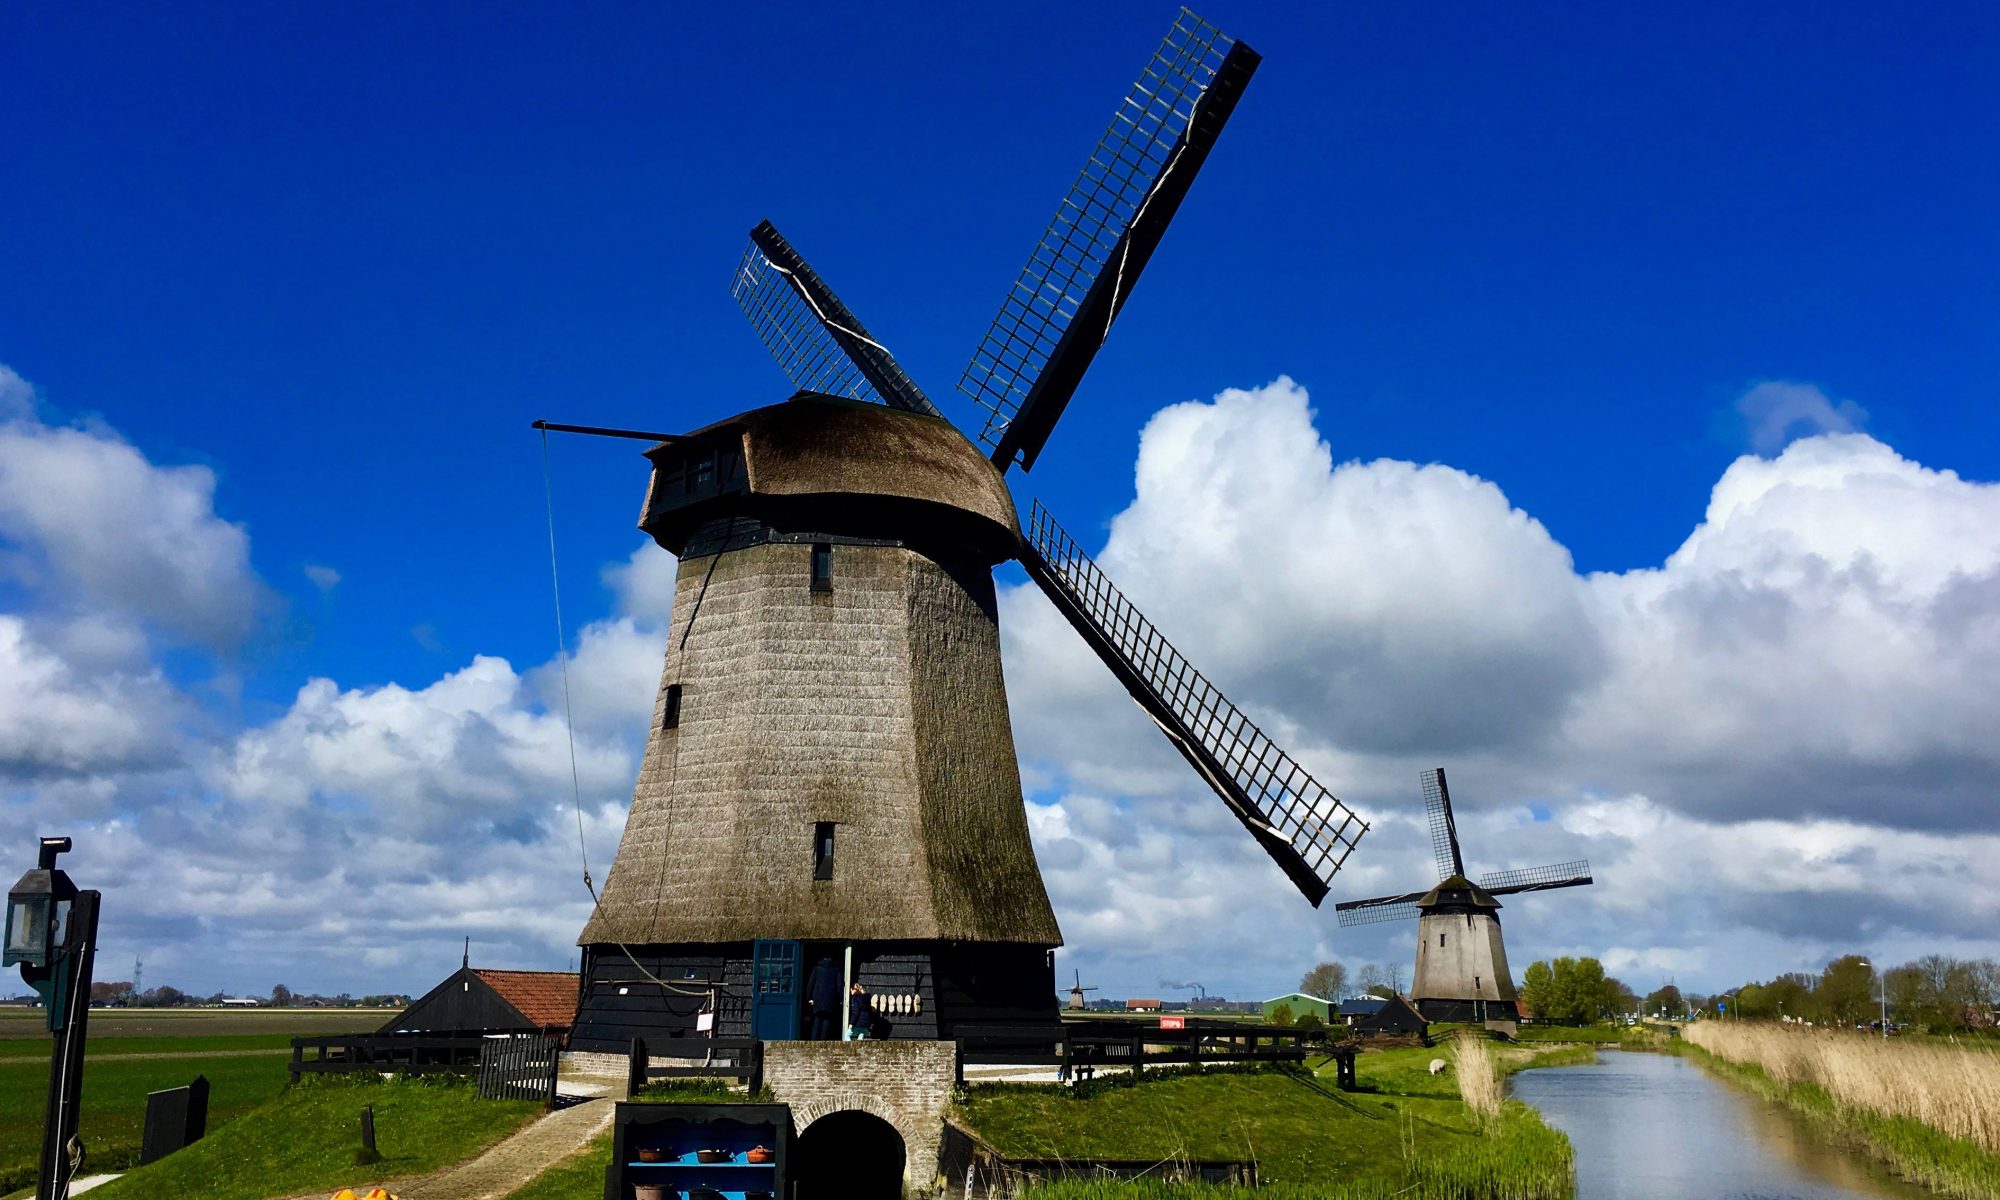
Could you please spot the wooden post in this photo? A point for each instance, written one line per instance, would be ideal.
(368, 1128)
(635, 1069)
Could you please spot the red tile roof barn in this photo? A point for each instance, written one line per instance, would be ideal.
(546, 998)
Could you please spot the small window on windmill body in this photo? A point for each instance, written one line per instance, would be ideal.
(1440, 941)
(823, 850)
(670, 714)
(822, 567)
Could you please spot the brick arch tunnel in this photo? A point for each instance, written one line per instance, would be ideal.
(849, 1154)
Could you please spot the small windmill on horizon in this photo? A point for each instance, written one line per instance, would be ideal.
(1461, 972)
(1076, 991)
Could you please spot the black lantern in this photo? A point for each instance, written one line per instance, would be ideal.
(38, 909)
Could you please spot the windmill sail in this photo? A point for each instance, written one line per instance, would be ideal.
(1060, 309)
(1444, 834)
(1301, 825)
(1381, 908)
(1537, 879)
(817, 340)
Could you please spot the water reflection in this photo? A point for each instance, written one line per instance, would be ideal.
(1651, 1126)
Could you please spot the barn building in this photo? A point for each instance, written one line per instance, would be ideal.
(483, 1000)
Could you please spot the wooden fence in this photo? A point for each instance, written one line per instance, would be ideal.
(413, 1054)
(738, 1058)
(521, 1067)
(1079, 1048)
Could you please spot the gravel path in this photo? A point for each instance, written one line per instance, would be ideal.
(515, 1161)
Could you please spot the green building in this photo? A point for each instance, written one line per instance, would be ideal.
(1301, 1004)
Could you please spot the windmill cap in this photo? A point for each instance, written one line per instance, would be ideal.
(1458, 892)
(912, 473)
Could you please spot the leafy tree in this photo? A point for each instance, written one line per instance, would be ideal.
(166, 996)
(1790, 996)
(1328, 981)
(1538, 989)
(1666, 1001)
(119, 992)
(281, 996)
(1281, 1015)
(1310, 1020)
(1618, 998)
(1846, 991)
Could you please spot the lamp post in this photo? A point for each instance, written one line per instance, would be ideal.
(1882, 987)
(51, 934)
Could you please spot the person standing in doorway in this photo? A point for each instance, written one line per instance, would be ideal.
(858, 1015)
(823, 997)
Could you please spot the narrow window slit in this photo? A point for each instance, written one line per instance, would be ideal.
(823, 850)
(822, 567)
(670, 716)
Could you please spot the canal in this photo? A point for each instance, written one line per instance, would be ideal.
(1651, 1126)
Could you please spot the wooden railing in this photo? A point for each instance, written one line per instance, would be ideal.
(1079, 1048)
(413, 1054)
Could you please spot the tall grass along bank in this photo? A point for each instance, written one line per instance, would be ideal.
(1931, 1109)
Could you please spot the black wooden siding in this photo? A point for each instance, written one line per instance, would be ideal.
(462, 1003)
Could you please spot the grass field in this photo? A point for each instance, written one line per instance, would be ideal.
(1406, 1132)
(242, 1053)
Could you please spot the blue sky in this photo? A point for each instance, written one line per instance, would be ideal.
(341, 257)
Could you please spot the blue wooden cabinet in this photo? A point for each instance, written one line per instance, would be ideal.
(681, 1136)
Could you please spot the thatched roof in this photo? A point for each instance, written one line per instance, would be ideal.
(815, 446)
(1455, 893)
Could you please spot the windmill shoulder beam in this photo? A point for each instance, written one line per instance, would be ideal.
(1050, 394)
(1288, 859)
(1379, 901)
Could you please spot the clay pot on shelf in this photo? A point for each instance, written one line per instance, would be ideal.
(760, 1154)
(653, 1154)
(649, 1191)
(711, 1156)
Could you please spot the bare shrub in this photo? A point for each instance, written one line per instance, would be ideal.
(1478, 1079)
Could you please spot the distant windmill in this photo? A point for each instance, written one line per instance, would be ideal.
(1461, 964)
(1077, 990)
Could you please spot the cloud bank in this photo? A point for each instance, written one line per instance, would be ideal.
(1774, 745)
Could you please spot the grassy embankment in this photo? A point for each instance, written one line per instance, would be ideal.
(1407, 1133)
(1929, 1109)
(242, 1054)
(306, 1140)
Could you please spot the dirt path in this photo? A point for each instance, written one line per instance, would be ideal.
(511, 1164)
(43, 1058)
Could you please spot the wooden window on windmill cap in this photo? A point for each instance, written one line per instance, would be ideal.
(822, 567)
(823, 850)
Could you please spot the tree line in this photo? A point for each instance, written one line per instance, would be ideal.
(121, 994)
(1936, 993)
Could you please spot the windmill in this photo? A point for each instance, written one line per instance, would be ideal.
(831, 773)
(1461, 970)
(1076, 991)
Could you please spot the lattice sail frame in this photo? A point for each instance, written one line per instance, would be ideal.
(1304, 827)
(1079, 245)
(816, 340)
(1444, 832)
(1537, 879)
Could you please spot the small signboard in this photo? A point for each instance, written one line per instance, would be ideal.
(1173, 1022)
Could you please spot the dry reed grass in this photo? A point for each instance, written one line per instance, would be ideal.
(1951, 1087)
(1478, 1077)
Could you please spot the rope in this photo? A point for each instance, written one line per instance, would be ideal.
(569, 727)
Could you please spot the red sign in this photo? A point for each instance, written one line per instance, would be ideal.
(1173, 1022)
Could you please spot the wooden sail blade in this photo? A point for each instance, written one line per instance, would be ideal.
(1301, 825)
(816, 340)
(1061, 307)
(1444, 832)
(1537, 879)
(1379, 909)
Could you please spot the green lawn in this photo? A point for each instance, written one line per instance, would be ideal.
(1405, 1129)
(305, 1139)
(114, 1101)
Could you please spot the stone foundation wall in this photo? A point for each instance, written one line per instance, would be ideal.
(908, 1084)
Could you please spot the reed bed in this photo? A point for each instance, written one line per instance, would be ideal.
(1478, 1076)
(1952, 1087)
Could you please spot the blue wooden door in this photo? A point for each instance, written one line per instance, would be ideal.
(775, 984)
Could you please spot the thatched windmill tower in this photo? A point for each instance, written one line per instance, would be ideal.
(831, 772)
(1461, 970)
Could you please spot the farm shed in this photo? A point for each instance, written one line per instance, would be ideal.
(1301, 1004)
(490, 1001)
